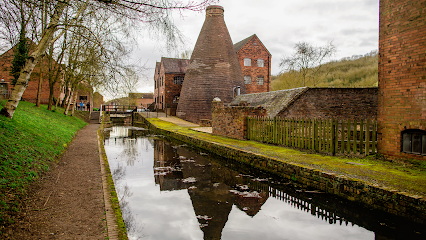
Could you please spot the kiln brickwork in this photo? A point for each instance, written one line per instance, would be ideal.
(337, 103)
(255, 62)
(402, 74)
(214, 70)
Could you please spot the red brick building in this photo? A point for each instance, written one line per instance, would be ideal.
(30, 94)
(402, 79)
(255, 62)
(168, 79)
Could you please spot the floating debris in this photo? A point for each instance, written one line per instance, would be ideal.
(192, 187)
(253, 194)
(205, 217)
(216, 184)
(189, 180)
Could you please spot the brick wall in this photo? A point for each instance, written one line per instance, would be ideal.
(30, 93)
(337, 103)
(402, 74)
(232, 121)
(255, 50)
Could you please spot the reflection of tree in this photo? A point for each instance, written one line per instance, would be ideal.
(123, 193)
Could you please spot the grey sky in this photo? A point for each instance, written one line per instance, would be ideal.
(352, 25)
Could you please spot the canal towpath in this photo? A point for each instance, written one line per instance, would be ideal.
(68, 202)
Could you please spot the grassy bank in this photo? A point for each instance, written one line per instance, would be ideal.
(29, 143)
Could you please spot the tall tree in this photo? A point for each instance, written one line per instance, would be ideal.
(154, 13)
(307, 61)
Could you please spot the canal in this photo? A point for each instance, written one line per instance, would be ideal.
(168, 190)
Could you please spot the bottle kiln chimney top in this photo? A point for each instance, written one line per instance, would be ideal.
(214, 10)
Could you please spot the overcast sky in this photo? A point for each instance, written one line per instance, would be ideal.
(352, 25)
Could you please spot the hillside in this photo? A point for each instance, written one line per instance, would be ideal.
(355, 71)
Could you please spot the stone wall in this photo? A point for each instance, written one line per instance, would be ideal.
(337, 103)
(232, 121)
(402, 74)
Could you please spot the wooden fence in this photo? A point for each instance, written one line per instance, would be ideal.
(333, 136)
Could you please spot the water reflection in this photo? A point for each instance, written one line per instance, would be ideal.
(169, 191)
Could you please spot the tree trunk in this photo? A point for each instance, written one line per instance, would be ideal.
(75, 102)
(22, 83)
(69, 102)
(40, 83)
(51, 95)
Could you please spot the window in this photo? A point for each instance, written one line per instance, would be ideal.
(178, 80)
(247, 79)
(83, 98)
(259, 80)
(247, 62)
(414, 141)
(260, 62)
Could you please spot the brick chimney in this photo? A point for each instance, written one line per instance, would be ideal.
(213, 71)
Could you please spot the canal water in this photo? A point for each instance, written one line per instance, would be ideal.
(168, 190)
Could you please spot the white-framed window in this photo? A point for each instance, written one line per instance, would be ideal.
(260, 62)
(259, 80)
(247, 79)
(178, 80)
(247, 62)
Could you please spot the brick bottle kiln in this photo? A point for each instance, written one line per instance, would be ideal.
(213, 71)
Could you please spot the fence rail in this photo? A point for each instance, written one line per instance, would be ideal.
(333, 136)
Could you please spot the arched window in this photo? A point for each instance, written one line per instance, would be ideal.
(414, 141)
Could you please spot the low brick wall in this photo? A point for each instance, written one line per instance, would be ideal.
(232, 121)
(398, 203)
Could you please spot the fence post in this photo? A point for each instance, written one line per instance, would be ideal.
(275, 131)
(367, 138)
(333, 137)
(355, 135)
(374, 137)
(315, 135)
(348, 134)
(361, 137)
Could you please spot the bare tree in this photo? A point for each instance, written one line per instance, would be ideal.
(307, 61)
(154, 13)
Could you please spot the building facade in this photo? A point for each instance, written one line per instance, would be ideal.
(40, 72)
(255, 62)
(402, 80)
(168, 80)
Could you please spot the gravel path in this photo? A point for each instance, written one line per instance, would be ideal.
(67, 203)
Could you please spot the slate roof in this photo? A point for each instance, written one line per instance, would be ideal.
(273, 102)
(241, 43)
(175, 65)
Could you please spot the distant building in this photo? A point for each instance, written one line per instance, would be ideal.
(168, 79)
(255, 62)
(141, 99)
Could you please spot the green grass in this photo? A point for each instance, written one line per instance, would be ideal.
(29, 143)
(409, 177)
